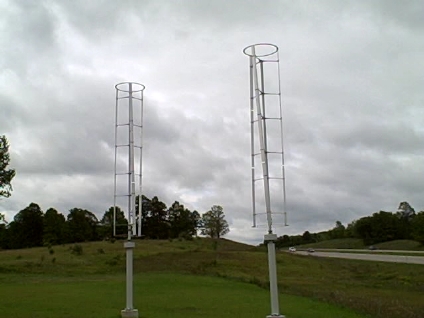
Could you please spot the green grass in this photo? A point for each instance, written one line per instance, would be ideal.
(406, 245)
(379, 289)
(346, 243)
(352, 243)
(156, 295)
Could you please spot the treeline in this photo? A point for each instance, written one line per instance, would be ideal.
(32, 227)
(380, 227)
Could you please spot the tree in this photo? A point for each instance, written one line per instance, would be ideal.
(155, 223)
(82, 225)
(363, 229)
(283, 241)
(338, 231)
(182, 221)
(26, 230)
(307, 238)
(406, 215)
(405, 211)
(121, 223)
(418, 227)
(213, 223)
(380, 227)
(6, 175)
(54, 227)
(4, 238)
(3, 218)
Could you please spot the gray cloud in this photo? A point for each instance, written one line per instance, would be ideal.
(352, 83)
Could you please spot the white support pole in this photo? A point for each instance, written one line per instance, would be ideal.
(272, 266)
(129, 311)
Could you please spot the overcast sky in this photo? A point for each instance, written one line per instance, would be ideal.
(352, 89)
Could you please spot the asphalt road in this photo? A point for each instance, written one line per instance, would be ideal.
(369, 256)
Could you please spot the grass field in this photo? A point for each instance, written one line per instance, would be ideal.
(162, 295)
(373, 288)
(352, 243)
(337, 243)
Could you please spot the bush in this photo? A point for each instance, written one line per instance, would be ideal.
(76, 249)
(114, 260)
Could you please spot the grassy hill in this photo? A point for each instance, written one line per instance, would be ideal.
(378, 289)
(352, 243)
(345, 243)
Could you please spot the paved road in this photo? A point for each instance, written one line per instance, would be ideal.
(369, 257)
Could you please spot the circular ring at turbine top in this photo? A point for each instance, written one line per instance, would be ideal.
(125, 87)
(261, 49)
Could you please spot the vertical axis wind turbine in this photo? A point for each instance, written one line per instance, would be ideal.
(128, 150)
(267, 147)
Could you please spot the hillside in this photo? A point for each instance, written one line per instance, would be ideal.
(379, 289)
(351, 243)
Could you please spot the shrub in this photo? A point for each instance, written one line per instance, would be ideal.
(76, 249)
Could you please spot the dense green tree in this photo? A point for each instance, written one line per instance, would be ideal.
(283, 241)
(4, 239)
(213, 223)
(55, 228)
(144, 212)
(26, 230)
(82, 225)
(380, 227)
(157, 221)
(350, 230)
(182, 221)
(418, 227)
(338, 231)
(155, 224)
(405, 211)
(106, 223)
(3, 219)
(6, 175)
(307, 237)
(406, 214)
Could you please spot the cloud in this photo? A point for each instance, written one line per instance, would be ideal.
(351, 79)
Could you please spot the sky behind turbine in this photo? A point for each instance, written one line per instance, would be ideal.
(352, 92)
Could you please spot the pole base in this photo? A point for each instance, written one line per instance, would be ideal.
(129, 313)
(275, 316)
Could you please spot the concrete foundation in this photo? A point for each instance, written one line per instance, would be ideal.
(129, 313)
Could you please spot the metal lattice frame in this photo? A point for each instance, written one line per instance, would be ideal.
(262, 56)
(129, 97)
(129, 138)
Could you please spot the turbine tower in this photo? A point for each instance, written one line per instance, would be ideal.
(267, 152)
(128, 173)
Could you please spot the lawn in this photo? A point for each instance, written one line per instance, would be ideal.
(163, 295)
(352, 243)
(378, 289)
